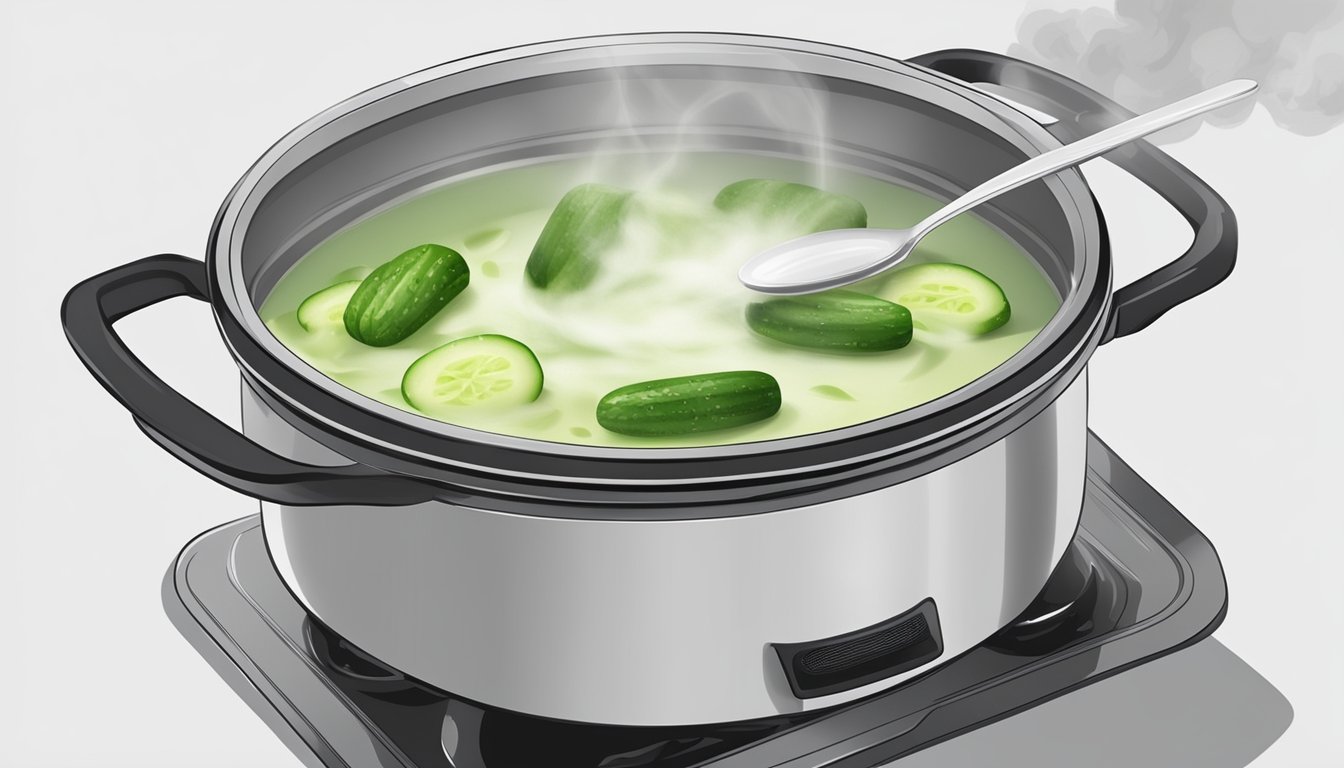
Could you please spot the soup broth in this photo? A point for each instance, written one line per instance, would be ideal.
(665, 302)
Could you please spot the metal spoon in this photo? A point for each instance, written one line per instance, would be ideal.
(842, 256)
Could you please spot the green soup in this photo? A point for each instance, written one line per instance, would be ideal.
(665, 303)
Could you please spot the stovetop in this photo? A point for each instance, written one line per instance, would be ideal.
(1138, 582)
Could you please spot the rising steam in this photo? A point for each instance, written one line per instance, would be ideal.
(1146, 53)
(660, 132)
(657, 123)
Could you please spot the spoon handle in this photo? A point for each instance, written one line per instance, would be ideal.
(1088, 148)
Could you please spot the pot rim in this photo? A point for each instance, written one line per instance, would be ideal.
(377, 433)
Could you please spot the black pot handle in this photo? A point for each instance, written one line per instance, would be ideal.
(1081, 112)
(183, 428)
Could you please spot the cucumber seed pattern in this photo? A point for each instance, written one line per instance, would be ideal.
(952, 295)
(472, 379)
(943, 296)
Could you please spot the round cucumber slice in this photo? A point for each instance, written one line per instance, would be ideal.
(325, 310)
(489, 370)
(949, 296)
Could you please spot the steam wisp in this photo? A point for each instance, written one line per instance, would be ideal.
(678, 257)
(655, 123)
(1144, 53)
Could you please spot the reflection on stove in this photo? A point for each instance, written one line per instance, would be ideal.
(1068, 609)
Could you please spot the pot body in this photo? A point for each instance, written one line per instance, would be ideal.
(672, 586)
(667, 622)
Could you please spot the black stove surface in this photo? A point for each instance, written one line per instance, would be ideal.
(1138, 582)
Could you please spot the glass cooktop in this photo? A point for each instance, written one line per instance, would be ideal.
(1139, 582)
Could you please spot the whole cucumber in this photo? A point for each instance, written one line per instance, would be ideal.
(842, 321)
(801, 208)
(689, 404)
(585, 224)
(403, 294)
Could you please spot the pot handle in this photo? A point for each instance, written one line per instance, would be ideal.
(183, 428)
(1082, 112)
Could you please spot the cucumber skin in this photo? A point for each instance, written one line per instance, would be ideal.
(689, 404)
(842, 321)
(583, 226)
(813, 209)
(404, 294)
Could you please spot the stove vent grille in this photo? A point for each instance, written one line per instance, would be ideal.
(840, 663)
(841, 656)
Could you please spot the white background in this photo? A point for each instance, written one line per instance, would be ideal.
(124, 125)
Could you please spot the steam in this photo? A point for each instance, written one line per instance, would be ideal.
(656, 123)
(1146, 53)
(677, 260)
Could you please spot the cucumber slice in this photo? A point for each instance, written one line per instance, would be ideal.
(489, 370)
(689, 404)
(832, 392)
(486, 239)
(353, 273)
(949, 296)
(839, 321)
(800, 208)
(325, 310)
(585, 224)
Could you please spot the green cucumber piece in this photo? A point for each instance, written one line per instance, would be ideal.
(325, 309)
(942, 295)
(840, 321)
(487, 370)
(403, 294)
(486, 239)
(354, 273)
(689, 404)
(585, 224)
(832, 392)
(800, 208)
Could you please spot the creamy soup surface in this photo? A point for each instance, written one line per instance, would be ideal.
(665, 301)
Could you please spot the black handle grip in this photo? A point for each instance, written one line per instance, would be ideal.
(183, 428)
(1082, 112)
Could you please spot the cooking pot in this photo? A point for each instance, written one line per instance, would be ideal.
(655, 586)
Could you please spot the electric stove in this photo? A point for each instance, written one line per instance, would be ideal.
(1138, 582)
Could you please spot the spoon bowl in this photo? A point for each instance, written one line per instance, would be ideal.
(837, 257)
(825, 260)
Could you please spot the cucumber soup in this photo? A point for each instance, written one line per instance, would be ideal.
(562, 302)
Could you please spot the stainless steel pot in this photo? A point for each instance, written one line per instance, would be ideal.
(660, 586)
